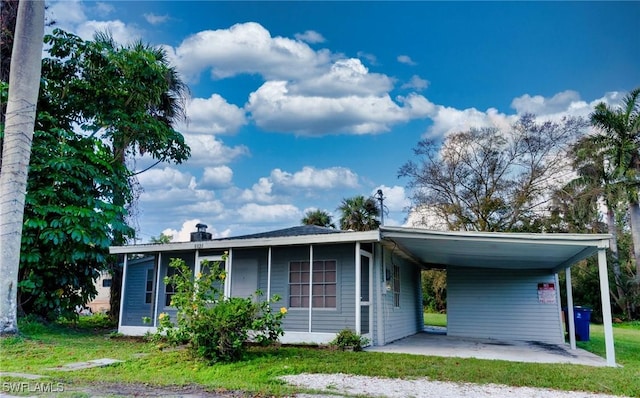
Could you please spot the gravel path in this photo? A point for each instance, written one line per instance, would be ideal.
(339, 383)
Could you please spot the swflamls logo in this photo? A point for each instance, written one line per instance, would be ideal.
(31, 387)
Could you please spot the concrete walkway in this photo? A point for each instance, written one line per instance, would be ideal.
(441, 345)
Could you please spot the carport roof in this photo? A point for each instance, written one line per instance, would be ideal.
(493, 250)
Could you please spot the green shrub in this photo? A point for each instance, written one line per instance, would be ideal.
(214, 327)
(347, 339)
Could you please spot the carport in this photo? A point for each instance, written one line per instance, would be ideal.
(509, 255)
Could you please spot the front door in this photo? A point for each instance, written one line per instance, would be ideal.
(365, 294)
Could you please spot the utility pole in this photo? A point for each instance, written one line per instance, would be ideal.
(380, 198)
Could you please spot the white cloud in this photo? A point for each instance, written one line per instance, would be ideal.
(311, 178)
(206, 149)
(103, 8)
(165, 178)
(405, 59)
(450, 120)
(247, 48)
(275, 109)
(122, 33)
(188, 226)
(282, 213)
(371, 58)
(66, 13)
(259, 192)
(216, 177)
(310, 36)
(213, 115)
(416, 83)
(154, 19)
(347, 77)
(565, 103)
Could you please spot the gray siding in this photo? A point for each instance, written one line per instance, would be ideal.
(323, 319)
(501, 304)
(134, 306)
(406, 319)
(190, 259)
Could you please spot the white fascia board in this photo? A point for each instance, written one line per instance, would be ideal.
(344, 237)
(596, 240)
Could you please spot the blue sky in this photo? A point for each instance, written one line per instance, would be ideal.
(297, 105)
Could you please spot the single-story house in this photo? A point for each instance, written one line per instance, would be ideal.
(499, 285)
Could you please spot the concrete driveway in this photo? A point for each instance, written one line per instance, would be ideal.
(441, 345)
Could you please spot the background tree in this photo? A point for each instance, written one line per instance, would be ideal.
(162, 238)
(359, 214)
(24, 79)
(318, 217)
(619, 135)
(69, 221)
(493, 180)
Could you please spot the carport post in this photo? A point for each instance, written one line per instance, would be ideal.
(606, 307)
(571, 325)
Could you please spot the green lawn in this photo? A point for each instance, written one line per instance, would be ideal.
(433, 319)
(42, 347)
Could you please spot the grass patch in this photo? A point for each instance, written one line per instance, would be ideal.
(56, 345)
(435, 319)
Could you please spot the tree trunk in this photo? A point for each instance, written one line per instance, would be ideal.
(116, 269)
(620, 297)
(634, 215)
(24, 83)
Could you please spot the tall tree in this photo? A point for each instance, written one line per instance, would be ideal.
(359, 214)
(489, 179)
(594, 186)
(619, 135)
(130, 96)
(24, 82)
(318, 217)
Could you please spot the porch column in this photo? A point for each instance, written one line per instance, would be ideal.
(228, 269)
(122, 290)
(358, 289)
(269, 274)
(157, 290)
(310, 285)
(197, 267)
(606, 307)
(570, 321)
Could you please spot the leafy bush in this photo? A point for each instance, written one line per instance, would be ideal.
(216, 328)
(348, 339)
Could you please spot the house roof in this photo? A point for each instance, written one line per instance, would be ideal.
(492, 250)
(435, 249)
(300, 230)
(300, 235)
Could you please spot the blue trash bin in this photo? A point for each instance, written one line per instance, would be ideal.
(581, 317)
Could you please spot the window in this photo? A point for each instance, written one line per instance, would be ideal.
(323, 291)
(396, 286)
(148, 290)
(171, 288)
(106, 283)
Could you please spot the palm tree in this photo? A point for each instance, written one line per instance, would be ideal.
(24, 83)
(620, 138)
(596, 185)
(318, 217)
(150, 98)
(359, 214)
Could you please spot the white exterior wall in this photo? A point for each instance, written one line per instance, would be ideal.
(501, 304)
